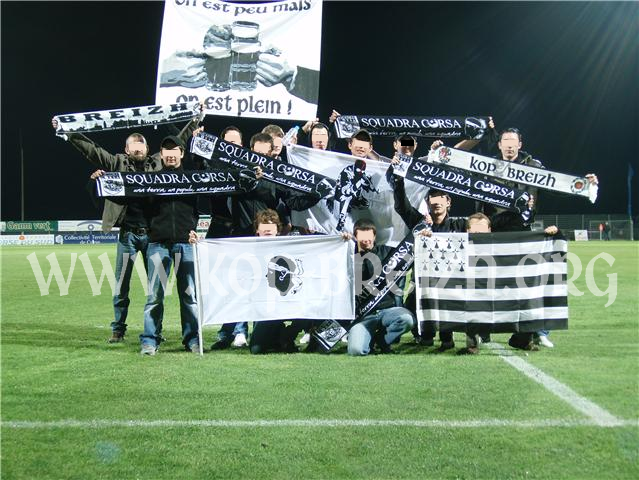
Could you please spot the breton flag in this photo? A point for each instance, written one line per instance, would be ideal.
(275, 278)
(493, 282)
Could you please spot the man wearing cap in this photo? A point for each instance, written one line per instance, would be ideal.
(388, 320)
(172, 218)
(127, 213)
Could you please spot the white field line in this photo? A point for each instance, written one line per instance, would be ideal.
(314, 423)
(594, 412)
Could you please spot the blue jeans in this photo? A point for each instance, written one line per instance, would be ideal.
(396, 321)
(228, 331)
(160, 258)
(128, 246)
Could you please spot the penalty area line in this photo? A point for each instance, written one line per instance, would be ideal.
(315, 423)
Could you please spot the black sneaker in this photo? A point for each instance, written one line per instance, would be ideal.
(426, 341)
(116, 337)
(530, 346)
(445, 346)
(221, 345)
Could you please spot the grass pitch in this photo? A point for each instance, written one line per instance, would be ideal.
(163, 416)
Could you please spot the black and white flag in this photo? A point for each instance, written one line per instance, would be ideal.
(259, 60)
(362, 192)
(501, 282)
(281, 173)
(275, 278)
(514, 172)
(132, 117)
(440, 126)
(143, 184)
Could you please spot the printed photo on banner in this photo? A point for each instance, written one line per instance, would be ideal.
(362, 191)
(242, 59)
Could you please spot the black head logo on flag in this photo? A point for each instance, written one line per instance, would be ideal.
(285, 274)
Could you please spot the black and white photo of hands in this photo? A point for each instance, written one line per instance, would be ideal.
(273, 67)
(184, 69)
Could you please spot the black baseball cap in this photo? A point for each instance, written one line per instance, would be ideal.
(172, 141)
(433, 192)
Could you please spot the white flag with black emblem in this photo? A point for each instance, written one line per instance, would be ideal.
(275, 278)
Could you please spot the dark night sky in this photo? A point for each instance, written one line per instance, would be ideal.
(566, 74)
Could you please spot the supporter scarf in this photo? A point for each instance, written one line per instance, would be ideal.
(436, 126)
(394, 267)
(276, 171)
(514, 172)
(121, 118)
(466, 185)
(139, 184)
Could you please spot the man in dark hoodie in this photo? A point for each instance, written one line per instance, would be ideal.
(388, 320)
(172, 218)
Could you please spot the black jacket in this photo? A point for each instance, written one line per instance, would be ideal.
(172, 216)
(367, 269)
(412, 217)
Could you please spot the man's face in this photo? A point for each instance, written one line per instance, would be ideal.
(266, 230)
(263, 148)
(136, 149)
(319, 138)
(359, 148)
(233, 136)
(509, 146)
(277, 146)
(405, 149)
(478, 226)
(172, 157)
(365, 240)
(438, 205)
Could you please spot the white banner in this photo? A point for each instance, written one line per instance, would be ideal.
(242, 59)
(514, 172)
(80, 226)
(26, 240)
(372, 196)
(275, 278)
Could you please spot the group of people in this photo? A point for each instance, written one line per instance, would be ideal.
(162, 229)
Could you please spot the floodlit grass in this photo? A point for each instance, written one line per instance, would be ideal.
(56, 365)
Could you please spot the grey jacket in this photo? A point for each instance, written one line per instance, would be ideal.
(113, 212)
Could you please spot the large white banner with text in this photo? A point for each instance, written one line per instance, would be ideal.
(242, 59)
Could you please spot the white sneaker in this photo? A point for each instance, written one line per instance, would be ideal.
(344, 339)
(543, 340)
(240, 340)
(305, 338)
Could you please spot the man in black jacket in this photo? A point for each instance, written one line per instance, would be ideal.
(388, 320)
(436, 220)
(172, 218)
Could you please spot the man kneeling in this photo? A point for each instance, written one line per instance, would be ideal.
(389, 320)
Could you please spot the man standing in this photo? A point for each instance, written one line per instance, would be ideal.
(388, 320)
(172, 218)
(510, 143)
(438, 221)
(129, 214)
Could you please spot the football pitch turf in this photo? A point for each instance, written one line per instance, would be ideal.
(75, 407)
